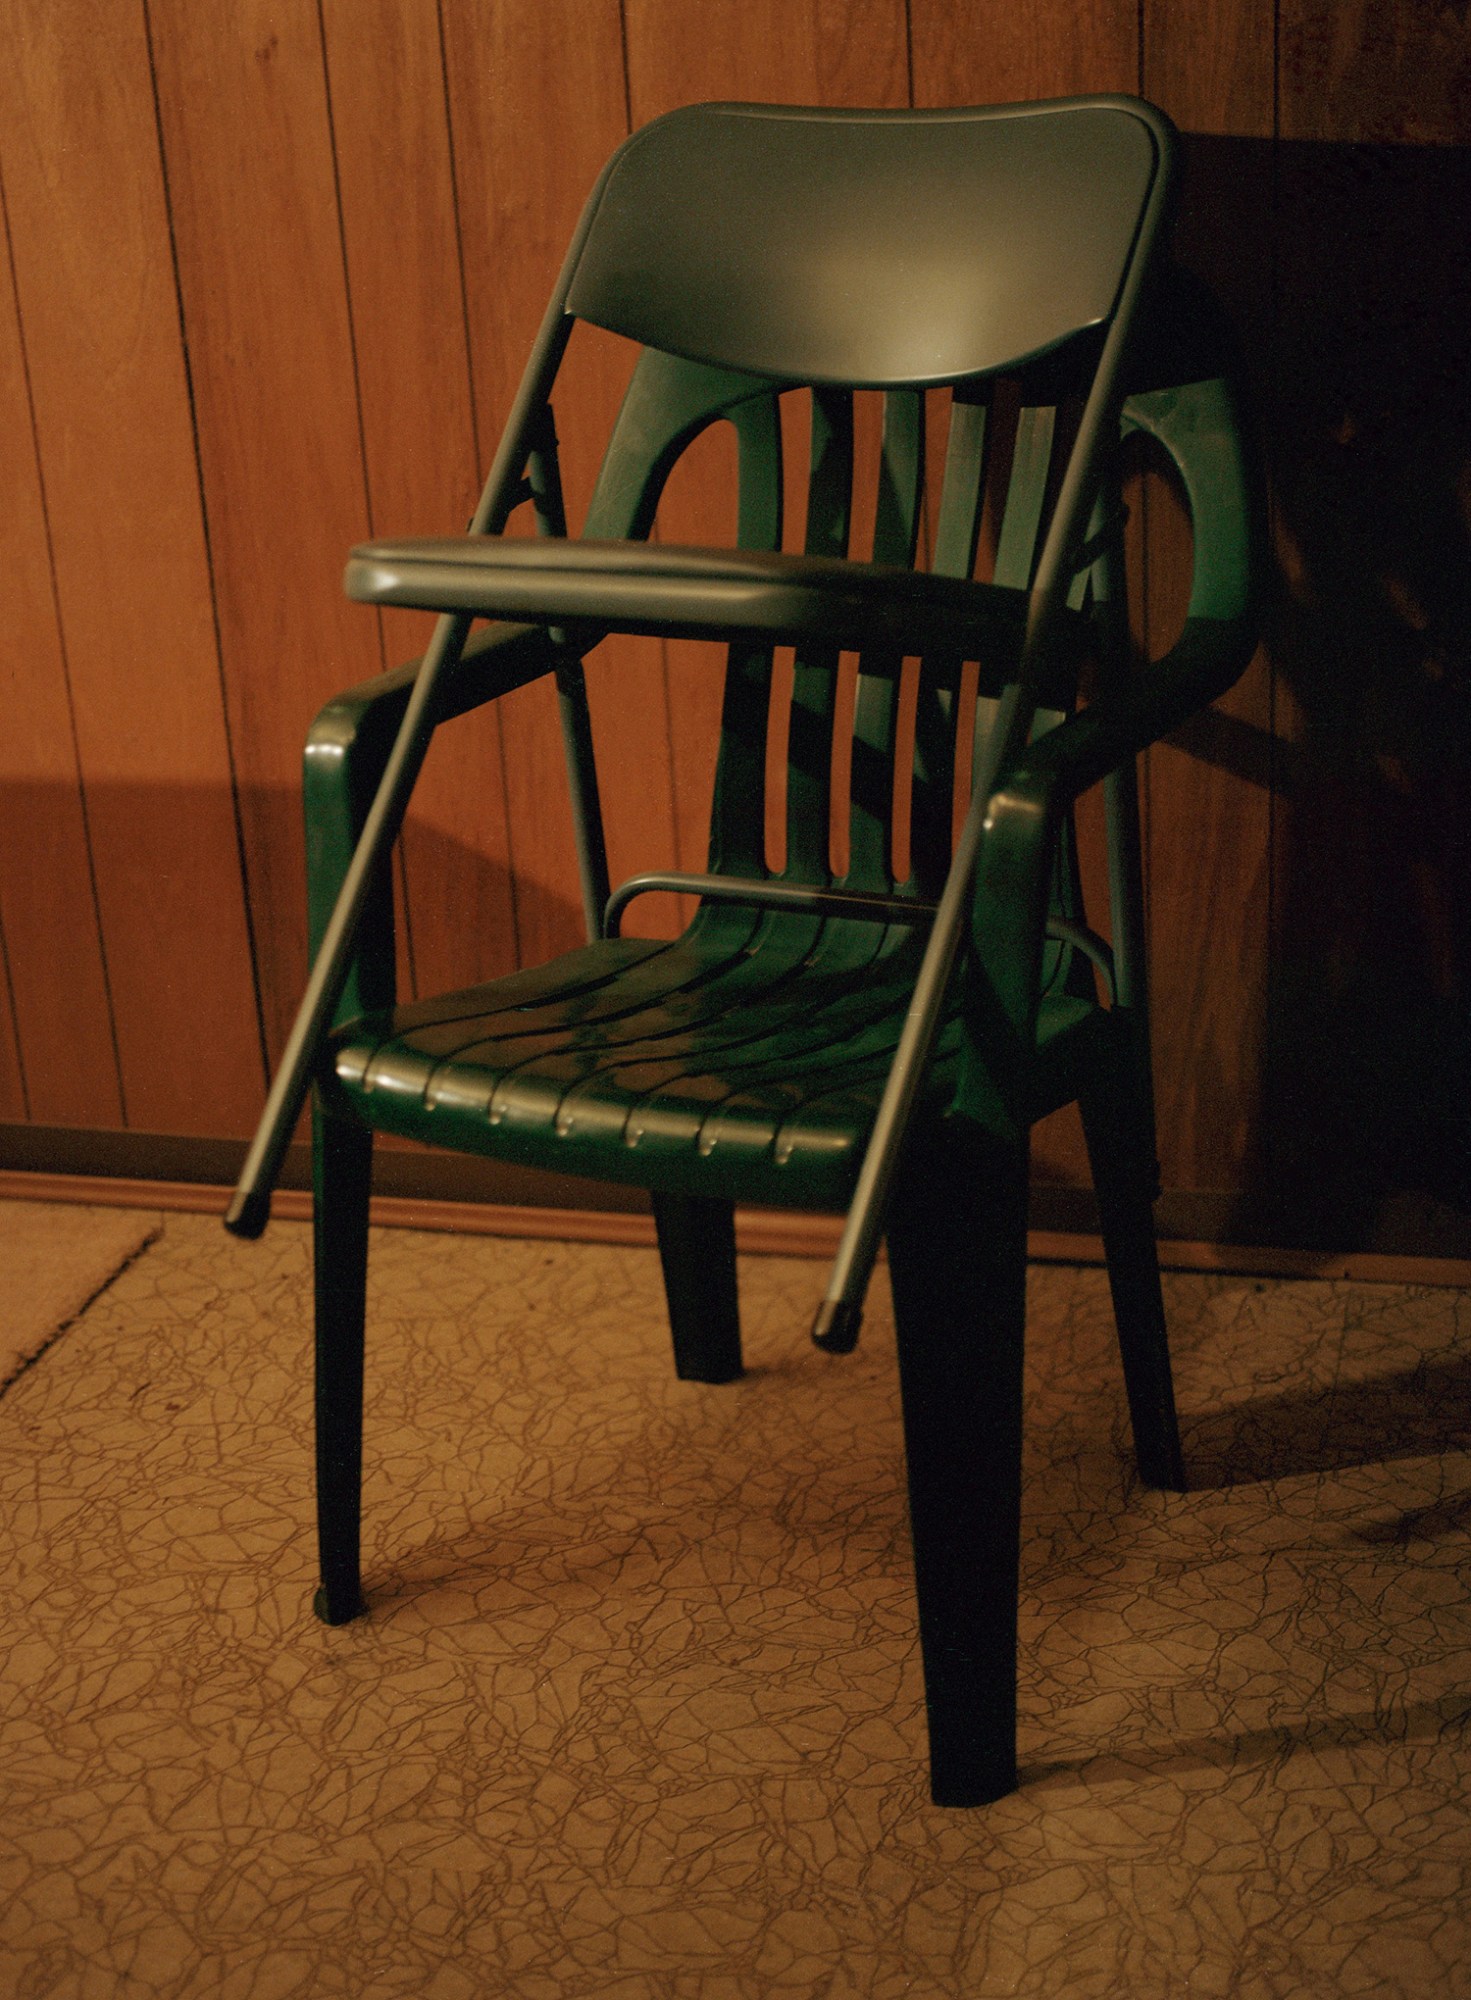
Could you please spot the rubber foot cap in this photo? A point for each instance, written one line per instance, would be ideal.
(835, 1329)
(322, 1605)
(248, 1215)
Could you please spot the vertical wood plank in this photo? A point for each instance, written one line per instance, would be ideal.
(1209, 790)
(48, 910)
(243, 106)
(1364, 72)
(391, 132)
(840, 52)
(536, 107)
(993, 52)
(94, 277)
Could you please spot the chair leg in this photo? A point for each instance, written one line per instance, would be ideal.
(342, 1174)
(697, 1250)
(1118, 1127)
(957, 1263)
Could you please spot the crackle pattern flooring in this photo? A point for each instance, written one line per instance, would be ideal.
(637, 1711)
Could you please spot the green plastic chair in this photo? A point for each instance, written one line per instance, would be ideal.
(864, 1044)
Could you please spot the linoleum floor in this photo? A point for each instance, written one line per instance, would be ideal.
(637, 1710)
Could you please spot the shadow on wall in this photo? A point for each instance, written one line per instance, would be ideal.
(1359, 336)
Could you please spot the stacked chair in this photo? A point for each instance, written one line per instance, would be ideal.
(877, 1041)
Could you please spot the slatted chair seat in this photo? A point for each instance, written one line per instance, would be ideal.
(764, 1056)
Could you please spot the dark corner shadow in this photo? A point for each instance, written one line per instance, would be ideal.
(1227, 1751)
(1417, 1524)
(1228, 744)
(1345, 272)
(1419, 1413)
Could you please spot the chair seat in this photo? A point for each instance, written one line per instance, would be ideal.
(744, 1061)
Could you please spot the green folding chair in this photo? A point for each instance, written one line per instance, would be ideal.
(854, 1042)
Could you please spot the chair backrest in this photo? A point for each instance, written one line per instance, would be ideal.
(886, 249)
(933, 256)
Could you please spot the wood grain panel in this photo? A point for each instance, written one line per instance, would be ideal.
(804, 52)
(1369, 1056)
(536, 106)
(56, 1061)
(994, 52)
(1376, 71)
(1211, 70)
(12, 1084)
(1209, 790)
(94, 278)
(322, 162)
(243, 106)
(390, 125)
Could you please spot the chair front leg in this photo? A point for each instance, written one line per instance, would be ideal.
(342, 1156)
(957, 1263)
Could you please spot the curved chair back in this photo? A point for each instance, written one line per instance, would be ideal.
(866, 247)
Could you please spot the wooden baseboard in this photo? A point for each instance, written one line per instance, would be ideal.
(762, 1232)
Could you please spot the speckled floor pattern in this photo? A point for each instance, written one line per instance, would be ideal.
(637, 1711)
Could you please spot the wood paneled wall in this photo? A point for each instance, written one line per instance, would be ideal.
(271, 270)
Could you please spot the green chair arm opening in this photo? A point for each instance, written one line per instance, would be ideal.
(347, 751)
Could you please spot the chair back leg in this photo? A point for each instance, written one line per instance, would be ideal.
(342, 1166)
(1118, 1126)
(697, 1250)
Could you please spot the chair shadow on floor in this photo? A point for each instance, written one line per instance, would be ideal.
(1418, 1412)
(1180, 1757)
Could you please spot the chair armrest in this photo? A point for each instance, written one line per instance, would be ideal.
(347, 748)
(694, 593)
(494, 662)
(1207, 658)
(1199, 427)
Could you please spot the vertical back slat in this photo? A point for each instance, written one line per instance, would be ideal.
(958, 524)
(736, 823)
(901, 479)
(895, 537)
(957, 532)
(1018, 543)
(1019, 538)
(1017, 551)
(810, 742)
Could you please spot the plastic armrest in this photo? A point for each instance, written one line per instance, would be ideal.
(347, 748)
(493, 663)
(1208, 658)
(1199, 426)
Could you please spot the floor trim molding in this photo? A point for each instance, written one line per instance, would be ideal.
(758, 1231)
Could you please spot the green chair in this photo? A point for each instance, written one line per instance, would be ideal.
(861, 1043)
